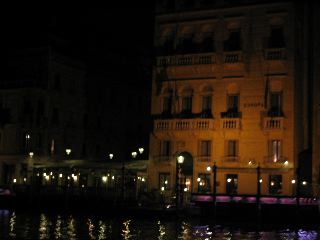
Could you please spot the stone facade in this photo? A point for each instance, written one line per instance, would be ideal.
(227, 91)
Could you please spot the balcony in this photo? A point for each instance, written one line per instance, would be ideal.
(233, 57)
(183, 124)
(274, 54)
(230, 120)
(273, 123)
(188, 59)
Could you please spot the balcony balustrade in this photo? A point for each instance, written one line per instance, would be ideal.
(273, 123)
(233, 57)
(275, 54)
(188, 59)
(183, 124)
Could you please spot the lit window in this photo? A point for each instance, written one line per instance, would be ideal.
(274, 150)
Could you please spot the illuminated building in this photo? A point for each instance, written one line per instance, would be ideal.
(229, 89)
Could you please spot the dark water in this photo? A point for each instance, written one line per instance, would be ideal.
(17, 225)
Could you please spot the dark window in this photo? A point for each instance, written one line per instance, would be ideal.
(233, 43)
(187, 104)
(165, 148)
(275, 105)
(276, 39)
(232, 148)
(233, 103)
(167, 104)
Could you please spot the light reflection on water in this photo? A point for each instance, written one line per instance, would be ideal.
(14, 225)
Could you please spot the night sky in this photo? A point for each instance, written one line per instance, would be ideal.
(91, 33)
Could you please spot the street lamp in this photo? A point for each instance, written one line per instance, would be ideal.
(180, 160)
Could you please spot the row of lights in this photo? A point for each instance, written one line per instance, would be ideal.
(133, 154)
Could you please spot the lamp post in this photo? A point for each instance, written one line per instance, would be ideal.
(180, 160)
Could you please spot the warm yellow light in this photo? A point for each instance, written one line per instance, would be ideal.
(27, 136)
(229, 180)
(104, 179)
(47, 177)
(14, 180)
(50, 173)
(141, 150)
(134, 154)
(185, 189)
(304, 183)
(112, 177)
(180, 159)
(24, 179)
(208, 168)
(293, 181)
(198, 179)
(111, 155)
(162, 188)
(272, 183)
(68, 151)
(60, 175)
(142, 179)
(75, 178)
(286, 162)
(44, 174)
(260, 180)
(166, 182)
(31, 154)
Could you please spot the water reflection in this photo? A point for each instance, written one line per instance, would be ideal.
(12, 225)
(15, 225)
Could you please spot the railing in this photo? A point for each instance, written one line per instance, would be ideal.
(274, 54)
(230, 123)
(270, 123)
(183, 124)
(233, 57)
(190, 59)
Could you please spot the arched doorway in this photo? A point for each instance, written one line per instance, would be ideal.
(186, 174)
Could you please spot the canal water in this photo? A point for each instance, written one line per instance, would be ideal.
(22, 225)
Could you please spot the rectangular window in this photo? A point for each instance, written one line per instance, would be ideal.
(164, 181)
(167, 103)
(276, 39)
(275, 104)
(233, 43)
(206, 103)
(165, 148)
(233, 103)
(205, 148)
(187, 104)
(274, 150)
(204, 183)
(231, 150)
(275, 184)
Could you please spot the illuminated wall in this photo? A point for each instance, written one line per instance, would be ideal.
(226, 91)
